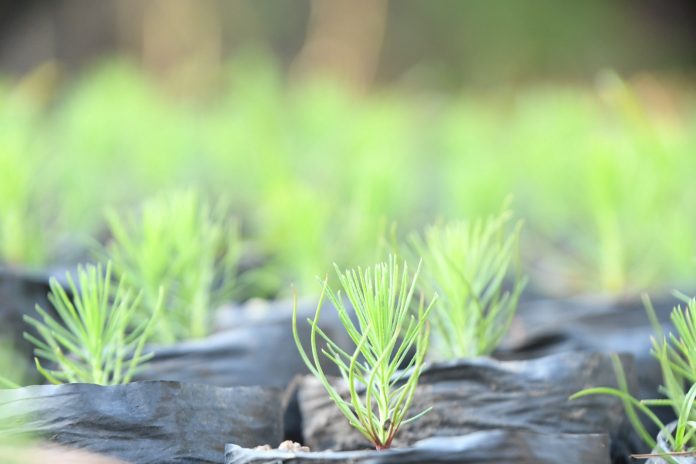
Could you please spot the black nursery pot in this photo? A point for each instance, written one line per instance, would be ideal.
(470, 396)
(146, 422)
(254, 346)
(491, 446)
(591, 324)
(544, 327)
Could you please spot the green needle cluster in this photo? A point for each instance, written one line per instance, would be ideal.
(388, 335)
(677, 353)
(95, 338)
(466, 263)
(187, 246)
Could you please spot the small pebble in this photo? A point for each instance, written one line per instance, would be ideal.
(291, 446)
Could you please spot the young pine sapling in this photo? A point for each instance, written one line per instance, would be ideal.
(388, 335)
(185, 245)
(466, 263)
(96, 337)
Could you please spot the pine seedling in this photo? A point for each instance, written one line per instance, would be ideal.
(95, 338)
(680, 438)
(185, 245)
(388, 334)
(466, 264)
(676, 354)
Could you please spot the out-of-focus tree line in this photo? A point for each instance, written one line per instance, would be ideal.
(445, 43)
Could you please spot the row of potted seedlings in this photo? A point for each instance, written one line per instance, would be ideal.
(419, 359)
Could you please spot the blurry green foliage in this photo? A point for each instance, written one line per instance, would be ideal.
(316, 173)
(184, 247)
(465, 263)
(22, 238)
(12, 373)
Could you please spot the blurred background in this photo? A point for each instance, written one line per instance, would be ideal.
(326, 125)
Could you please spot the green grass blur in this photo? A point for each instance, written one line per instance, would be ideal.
(601, 174)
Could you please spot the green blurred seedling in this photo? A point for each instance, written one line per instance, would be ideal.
(96, 337)
(187, 246)
(466, 263)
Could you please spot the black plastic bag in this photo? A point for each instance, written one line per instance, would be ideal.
(557, 326)
(146, 422)
(255, 346)
(490, 446)
(469, 396)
